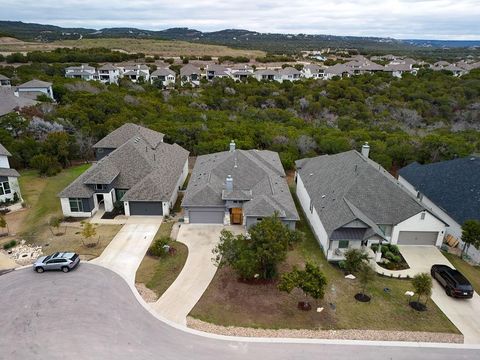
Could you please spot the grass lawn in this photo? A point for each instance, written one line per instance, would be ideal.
(159, 274)
(472, 273)
(40, 195)
(231, 303)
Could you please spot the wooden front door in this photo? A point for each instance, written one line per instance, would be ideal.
(236, 217)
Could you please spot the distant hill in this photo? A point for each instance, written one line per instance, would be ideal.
(270, 42)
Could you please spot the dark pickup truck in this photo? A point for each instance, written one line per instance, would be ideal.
(454, 283)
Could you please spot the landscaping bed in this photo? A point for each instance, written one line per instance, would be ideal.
(392, 258)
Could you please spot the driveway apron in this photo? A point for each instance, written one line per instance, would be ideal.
(180, 298)
(127, 249)
(463, 313)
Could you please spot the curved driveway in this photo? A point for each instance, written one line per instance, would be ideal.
(91, 313)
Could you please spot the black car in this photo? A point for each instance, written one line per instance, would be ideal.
(454, 283)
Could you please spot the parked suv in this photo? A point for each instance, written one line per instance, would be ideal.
(453, 281)
(64, 261)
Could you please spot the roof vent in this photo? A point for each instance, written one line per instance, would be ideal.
(232, 146)
(366, 149)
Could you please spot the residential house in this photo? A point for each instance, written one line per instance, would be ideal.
(4, 81)
(165, 76)
(8, 178)
(213, 71)
(352, 202)
(109, 74)
(84, 72)
(289, 74)
(313, 71)
(136, 169)
(190, 74)
(11, 101)
(135, 72)
(456, 71)
(450, 189)
(339, 70)
(33, 88)
(241, 73)
(361, 65)
(397, 70)
(266, 74)
(238, 187)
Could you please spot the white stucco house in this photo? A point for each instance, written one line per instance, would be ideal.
(135, 169)
(135, 72)
(84, 72)
(352, 202)
(165, 76)
(450, 189)
(190, 74)
(8, 178)
(33, 88)
(108, 73)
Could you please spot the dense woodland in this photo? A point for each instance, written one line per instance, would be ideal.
(431, 117)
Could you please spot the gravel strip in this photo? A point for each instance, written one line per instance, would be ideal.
(148, 295)
(378, 335)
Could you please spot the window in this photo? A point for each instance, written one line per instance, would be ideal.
(422, 216)
(343, 244)
(5, 188)
(76, 205)
(100, 186)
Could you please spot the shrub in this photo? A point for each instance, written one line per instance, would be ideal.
(374, 247)
(396, 259)
(354, 258)
(10, 244)
(46, 165)
(157, 248)
(394, 249)
(389, 255)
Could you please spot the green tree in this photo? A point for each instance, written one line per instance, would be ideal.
(88, 232)
(3, 223)
(366, 274)
(422, 285)
(471, 234)
(354, 259)
(259, 252)
(46, 165)
(311, 281)
(55, 223)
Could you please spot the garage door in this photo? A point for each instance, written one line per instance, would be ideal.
(417, 238)
(206, 216)
(145, 208)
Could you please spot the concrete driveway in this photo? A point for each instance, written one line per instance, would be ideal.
(461, 312)
(91, 313)
(127, 249)
(180, 298)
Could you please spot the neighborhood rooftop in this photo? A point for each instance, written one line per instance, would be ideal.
(348, 186)
(258, 176)
(127, 131)
(454, 185)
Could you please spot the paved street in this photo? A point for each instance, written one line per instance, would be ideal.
(91, 313)
(127, 249)
(180, 298)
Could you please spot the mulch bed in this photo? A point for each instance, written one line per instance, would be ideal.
(418, 306)
(362, 297)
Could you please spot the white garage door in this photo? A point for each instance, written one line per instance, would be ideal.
(417, 238)
(206, 216)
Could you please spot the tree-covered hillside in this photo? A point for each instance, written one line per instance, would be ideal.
(431, 117)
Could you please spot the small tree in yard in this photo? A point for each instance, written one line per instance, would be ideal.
(471, 234)
(88, 232)
(3, 223)
(422, 284)
(353, 259)
(311, 281)
(55, 223)
(258, 253)
(365, 275)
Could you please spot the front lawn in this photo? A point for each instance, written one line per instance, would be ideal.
(472, 273)
(229, 302)
(40, 196)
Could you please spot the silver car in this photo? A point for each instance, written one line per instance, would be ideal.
(64, 261)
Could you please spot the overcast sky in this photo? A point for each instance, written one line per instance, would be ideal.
(428, 19)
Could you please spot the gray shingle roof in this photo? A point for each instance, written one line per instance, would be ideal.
(258, 172)
(163, 72)
(107, 67)
(149, 173)
(9, 172)
(453, 185)
(347, 186)
(4, 151)
(189, 69)
(34, 84)
(289, 71)
(3, 77)
(9, 102)
(127, 131)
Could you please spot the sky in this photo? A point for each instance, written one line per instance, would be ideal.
(401, 19)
